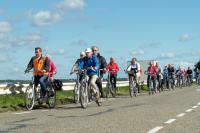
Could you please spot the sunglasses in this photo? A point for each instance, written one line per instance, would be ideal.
(95, 50)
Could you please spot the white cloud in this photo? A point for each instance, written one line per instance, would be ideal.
(4, 59)
(168, 55)
(51, 52)
(45, 18)
(3, 46)
(30, 39)
(185, 38)
(185, 64)
(137, 53)
(33, 38)
(71, 5)
(5, 27)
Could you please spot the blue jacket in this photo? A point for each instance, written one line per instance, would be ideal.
(90, 62)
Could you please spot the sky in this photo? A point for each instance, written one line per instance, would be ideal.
(164, 30)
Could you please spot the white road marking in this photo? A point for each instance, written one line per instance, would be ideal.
(22, 113)
(189, 110)
(170, 121)
(154, 130)
(198, 103)
(197, 89)
(181, 115)
(194, 107)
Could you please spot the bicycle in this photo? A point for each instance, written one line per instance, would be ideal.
(171, 82)
(86, 91)
(110, 89)
(33, 94)
(133, 89)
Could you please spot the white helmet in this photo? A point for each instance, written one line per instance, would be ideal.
(82, 53)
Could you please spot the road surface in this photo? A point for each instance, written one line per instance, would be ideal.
(168, 112)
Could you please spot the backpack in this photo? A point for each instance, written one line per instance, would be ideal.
(57, 84)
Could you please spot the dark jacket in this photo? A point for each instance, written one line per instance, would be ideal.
(102, 62)
(189, 71)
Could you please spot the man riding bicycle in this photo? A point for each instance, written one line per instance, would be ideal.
(171, 73)
(91, 62)
(113, 68)
(76, 64)
(102, 67)
(134, 70)
(189, 75)
(40, 66)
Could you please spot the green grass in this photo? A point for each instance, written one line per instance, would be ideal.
(16, 102)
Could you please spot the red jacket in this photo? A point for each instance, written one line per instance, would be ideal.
(152, 70)
(113, 68)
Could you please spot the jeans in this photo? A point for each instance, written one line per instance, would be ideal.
(114, 77)
(153, 80)
(42, 80)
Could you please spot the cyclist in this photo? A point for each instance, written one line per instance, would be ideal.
(189, 75)
(134, 67)
(165, 76)
(52, 67)
(180, 75)
(159, 75)
(113, 68)
(76, 64)
(41, 68)
(102, 67)
(151, 74)
(91, 61)
(171, 72)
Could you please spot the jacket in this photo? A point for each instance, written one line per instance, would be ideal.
(52, 69)
(102, 63)
(38, 64)
(90, 62)
(152, 71)
(112, 66)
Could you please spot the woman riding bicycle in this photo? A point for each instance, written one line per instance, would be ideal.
(113, 68)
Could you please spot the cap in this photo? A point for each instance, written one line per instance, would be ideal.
(88, 50)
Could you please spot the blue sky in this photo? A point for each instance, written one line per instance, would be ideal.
(164, 30)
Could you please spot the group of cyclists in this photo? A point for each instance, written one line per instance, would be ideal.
(95, 66)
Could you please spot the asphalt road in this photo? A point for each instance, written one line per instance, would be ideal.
(168, 112)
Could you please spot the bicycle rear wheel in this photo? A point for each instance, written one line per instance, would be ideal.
(51, 97)
(76, 93)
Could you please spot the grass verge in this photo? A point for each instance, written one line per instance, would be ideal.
(16, 102)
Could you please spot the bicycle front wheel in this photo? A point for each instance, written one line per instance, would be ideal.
(84, 95)
(29, 97)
